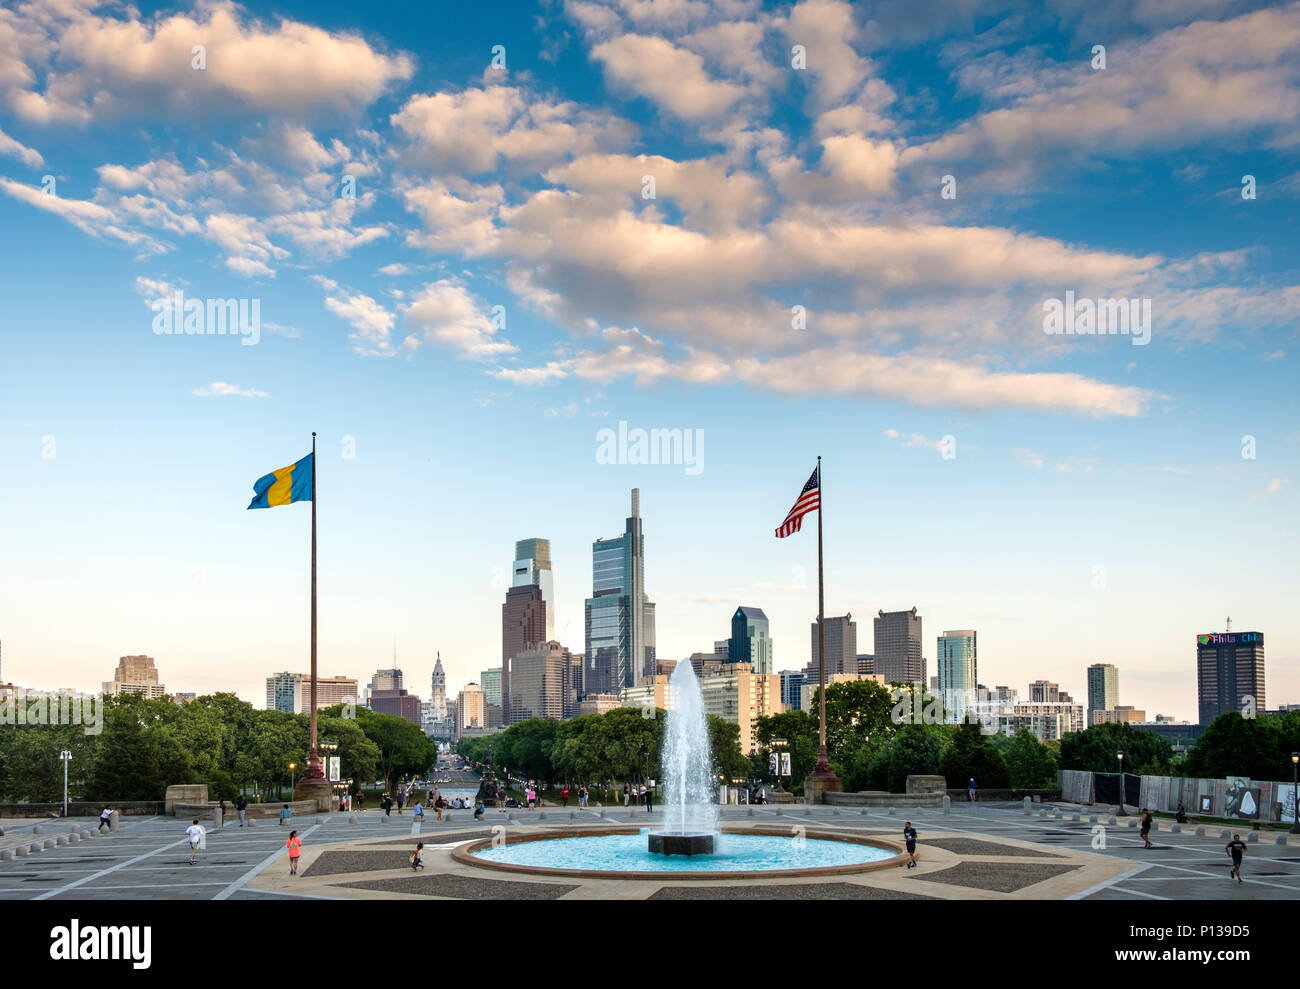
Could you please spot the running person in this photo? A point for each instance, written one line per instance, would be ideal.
(1146, 827)
(195, 834)
(970, 789)
(1236, 848)
(294, 844)
(909, 836)
(417, 857)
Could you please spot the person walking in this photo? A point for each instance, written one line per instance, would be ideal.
(564, 795)
(909, 839)
(195, 834)
(387, 804)
(970, 789)
(1145, 831)
(501, 798)
(438, 805)
(241, 810)
(627, 792)
(417, 857)
(221, 806)
(649, 800)
(401, 800)
(1236, 848)
(361, 801)
(105, 819)
(294, 844)
(286, 812)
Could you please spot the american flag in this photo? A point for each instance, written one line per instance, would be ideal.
(809, 500)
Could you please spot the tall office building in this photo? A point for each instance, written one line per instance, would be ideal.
(490, 681)
(841, 648)
(620, 621)
(958, 675)
(898, 647)
(523, 625)
(390, 679)
(399, 703)
(750, 642)
(791, 683)
(283, 692)
(438, 692)
(1103, 688)
(135, 675)
(471, 708)
(533, 566)
(541, 683)
(1229, 669)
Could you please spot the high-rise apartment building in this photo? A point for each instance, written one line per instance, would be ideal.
(841, 647)
(1044, 692)
(135, 675)
(471, 708)
(750, 642)
(791, 682)
(490, 681)
(957, 661)
(898, 647)
(390, 679)
(1229, 673)
(541, 683)
(742, 696)
(620, 634)
(284, 692)
(1103, 688)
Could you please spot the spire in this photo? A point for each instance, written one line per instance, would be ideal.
(636, 503)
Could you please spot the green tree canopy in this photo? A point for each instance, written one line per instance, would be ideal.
(1096, 749)
(972, 755)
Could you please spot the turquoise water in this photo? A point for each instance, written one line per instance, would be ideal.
(735, 853)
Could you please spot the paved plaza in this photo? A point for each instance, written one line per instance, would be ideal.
(983, 851)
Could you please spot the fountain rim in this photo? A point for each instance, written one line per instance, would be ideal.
(464, 854)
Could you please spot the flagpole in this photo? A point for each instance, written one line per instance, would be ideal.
(314, 771)
(824, 777)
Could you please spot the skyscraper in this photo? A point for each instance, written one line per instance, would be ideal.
(898, 647)
(283, 692)
(1044, 692)
(541, 683)
(841, 647)
(533, 566)
(1229, 670)
(390, 679)
(792, 682)
(1103, 689)
(620, 621)
(750, 642)
(958, 674)
(490, 681)
(135, 675)
(523, 625)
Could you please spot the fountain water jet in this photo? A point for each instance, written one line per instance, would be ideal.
(688, 806)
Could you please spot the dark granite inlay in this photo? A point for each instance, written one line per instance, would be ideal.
(999, 877)
(464, 887)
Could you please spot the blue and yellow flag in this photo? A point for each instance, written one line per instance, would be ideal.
(284, 486)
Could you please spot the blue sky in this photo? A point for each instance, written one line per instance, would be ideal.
(1098, 506)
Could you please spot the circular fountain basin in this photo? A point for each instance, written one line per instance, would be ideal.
(622, 853)
(681, 843)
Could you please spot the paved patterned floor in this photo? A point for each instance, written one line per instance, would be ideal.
(981, 851)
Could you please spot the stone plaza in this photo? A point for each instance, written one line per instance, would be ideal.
(978, 851)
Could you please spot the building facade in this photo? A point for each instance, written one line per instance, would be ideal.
(750, 642)
(135, 675)
(399, 703)
(1229, 673)
(1103, 688)
(541, 683)
(841, 647)
(438, 691)
(742, 696)
(533, 567)
(471, 709)
(792, 682)
(620, 621)
(957, 661)
(898, 656)
(523, 626)
(490, 681)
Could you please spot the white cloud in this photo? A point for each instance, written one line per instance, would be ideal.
(28, 156)
(220, 389)
(671, 77)
(444, 313)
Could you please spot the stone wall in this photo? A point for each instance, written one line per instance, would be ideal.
(880, 798)
(84, 808)
(1004, 795)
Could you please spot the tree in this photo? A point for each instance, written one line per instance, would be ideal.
(724, 746)
(915, 750)
(971, 755)
(1096, 750)
(1030, 763)
(1259, 748)
(403, 747)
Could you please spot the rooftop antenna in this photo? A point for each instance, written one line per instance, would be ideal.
(1229, 623)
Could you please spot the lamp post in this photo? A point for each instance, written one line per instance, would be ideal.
(1120, 812)
(65, 757)
(779, 745)
(1295, 793)
(292, 767)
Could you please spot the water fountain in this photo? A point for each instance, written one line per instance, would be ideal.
(687, 794)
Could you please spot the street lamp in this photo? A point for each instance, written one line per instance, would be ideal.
(1295, 792)
(292, 767)
(1120, 812)
(65, 757)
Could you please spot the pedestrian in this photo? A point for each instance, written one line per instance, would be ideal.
(438, 805)
(1145, 832)
(417, 857)
(1236, 848)
(478, 811)
(105, 819)
(582, 796)
(418, 811)
(971, 788)
(627, 791)
(195, 834)
(361, 801)
(532, 797)
(401, 800)
(649, 800)
(909, 838)
(221, 804)
(564, 795)
(286, 812)
(1180, 814)
(241, 809)
(294, 844)
(387, 804)
(501, 798)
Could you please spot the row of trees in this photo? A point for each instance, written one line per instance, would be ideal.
(621, 745)
(146, 745)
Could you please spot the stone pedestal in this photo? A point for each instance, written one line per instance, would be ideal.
(814, 786)
(321, 791)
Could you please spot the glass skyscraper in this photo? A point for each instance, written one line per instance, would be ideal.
(619, 620)
(749, 642)
(957, 671)
(1103, 688)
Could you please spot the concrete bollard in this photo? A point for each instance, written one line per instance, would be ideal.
(317, 822)
(1175, 828)
(1200, 831)
(218, 818)
(1280, 840)
(541, 815)
(6, 854)
(1092, 818)
(947, 804)
(1225, 835)
(62, 840)
(75, 836)
(49, 842)
(251, 821)
(1042, 813)
(446, 818)
(835, 812)
(1131, 822)
(808, 812)
(749, 811)
(113, 822)
(892, 812)
(352, 819)
(34, 847)
(20, 851)
(573, 815)
(510, 816)
(1252, 836)
(1028, 806)
(780, 812)
(38, 830)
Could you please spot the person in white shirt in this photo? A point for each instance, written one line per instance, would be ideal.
(195, 833)
(105, 819)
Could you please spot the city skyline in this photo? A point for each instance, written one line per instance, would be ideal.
(654, 246)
